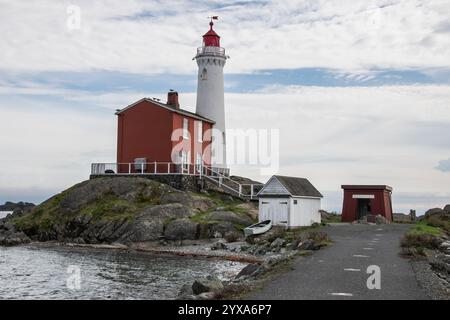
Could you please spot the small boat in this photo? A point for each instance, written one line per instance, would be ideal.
(258, 228)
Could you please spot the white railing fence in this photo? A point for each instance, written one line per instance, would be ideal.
(220, 176)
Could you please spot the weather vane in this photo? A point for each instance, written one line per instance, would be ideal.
(213, 18)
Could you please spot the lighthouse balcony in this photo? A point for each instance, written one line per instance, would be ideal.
(211, 51)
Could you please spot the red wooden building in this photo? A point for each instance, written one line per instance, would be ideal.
(150, 131)
(362, 200)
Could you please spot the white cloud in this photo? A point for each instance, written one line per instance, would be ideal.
(115, 35)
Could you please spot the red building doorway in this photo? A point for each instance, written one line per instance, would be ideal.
(366, 200)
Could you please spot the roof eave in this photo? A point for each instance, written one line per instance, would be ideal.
(178, 111)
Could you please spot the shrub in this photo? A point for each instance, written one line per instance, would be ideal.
(420, 240)
(318, 236)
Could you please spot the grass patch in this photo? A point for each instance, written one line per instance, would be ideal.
(112, 209)
(423, 227)
(421, 236)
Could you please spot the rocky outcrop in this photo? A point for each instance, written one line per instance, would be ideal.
(207, 284)
(401, 218)
(433, 211)
(201, 289)
(182, 229)
(9, 236)
(230, 217)
(12, 206)
(149, 225)
(128, 209)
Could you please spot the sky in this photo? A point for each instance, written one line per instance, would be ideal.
(359, 90)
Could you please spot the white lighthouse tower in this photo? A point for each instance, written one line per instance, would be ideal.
(211, 59)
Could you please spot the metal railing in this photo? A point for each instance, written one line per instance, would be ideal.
(153, 168)
(242, 190)
(215, 51)
(220, 176)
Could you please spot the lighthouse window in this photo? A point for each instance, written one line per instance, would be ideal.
(200, 131)
(186, 128)
(204, 74)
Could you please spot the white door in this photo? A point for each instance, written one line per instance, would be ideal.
(276, 209)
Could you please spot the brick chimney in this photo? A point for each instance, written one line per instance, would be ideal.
(172, 99)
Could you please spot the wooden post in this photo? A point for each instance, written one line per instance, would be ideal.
(168, 168)
(251, 191)
(240, 189)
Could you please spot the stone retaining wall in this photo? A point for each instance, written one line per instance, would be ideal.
(177, 181)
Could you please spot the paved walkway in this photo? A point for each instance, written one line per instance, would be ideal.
(339, 271)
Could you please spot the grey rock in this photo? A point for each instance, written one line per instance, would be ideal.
(207, 295)
(12, 238)
(185, 292)
(379, 219)
(149, 225)
(447, 208)
(248, 270)
(232, 236)
(176, 197)
(201, 203)
(181, 229)
(208, 284)
(401, 217)
(433, 211)
(277, 243)
(230, 217)
(130, 189)
(306, 245)
(294, 244)
(219, 230)
(219, 245)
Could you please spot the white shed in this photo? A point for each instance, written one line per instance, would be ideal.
(289, 201)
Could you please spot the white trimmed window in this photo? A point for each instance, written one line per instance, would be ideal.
(185, 159)
(200, 131)
(186, 128)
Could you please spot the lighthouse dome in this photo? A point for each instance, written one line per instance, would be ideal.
(211, 38)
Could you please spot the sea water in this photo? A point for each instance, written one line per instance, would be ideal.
(30, 272)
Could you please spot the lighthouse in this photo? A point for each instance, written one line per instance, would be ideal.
(211, 59)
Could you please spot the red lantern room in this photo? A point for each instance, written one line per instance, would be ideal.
(211, 38)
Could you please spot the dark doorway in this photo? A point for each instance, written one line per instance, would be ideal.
(363, 207)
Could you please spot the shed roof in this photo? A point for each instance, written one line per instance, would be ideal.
(300, 187)
(366, 187)
(168, 107)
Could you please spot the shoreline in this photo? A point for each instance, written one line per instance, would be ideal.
(202, 251)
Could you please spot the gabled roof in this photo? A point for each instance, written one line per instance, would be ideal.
(297, 187)
(168, 107)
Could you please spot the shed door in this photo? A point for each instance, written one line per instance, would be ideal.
(275, 210)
